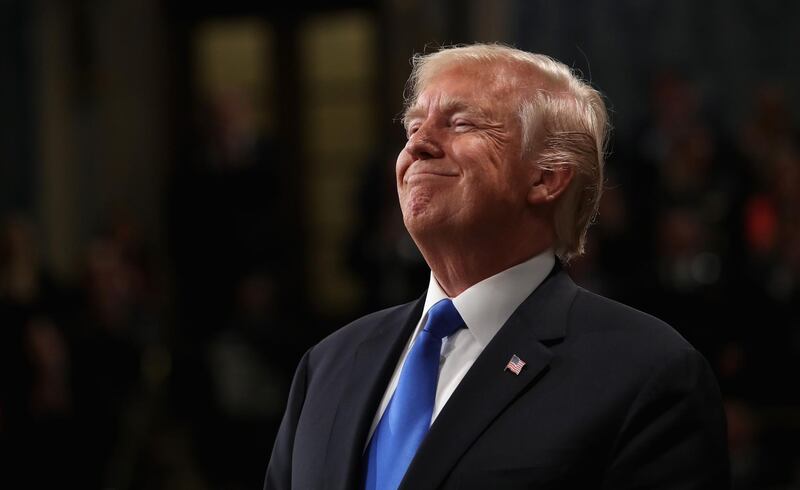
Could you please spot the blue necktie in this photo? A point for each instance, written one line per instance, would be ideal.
(408, 416)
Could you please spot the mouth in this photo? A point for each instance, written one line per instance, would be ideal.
(427, 175)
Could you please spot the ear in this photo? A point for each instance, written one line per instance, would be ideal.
(547, 185)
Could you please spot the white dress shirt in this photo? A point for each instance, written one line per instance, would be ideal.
(484, 307)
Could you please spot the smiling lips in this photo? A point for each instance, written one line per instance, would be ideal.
(424, 174)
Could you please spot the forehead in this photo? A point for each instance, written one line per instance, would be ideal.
(467, 86)
(492, 89)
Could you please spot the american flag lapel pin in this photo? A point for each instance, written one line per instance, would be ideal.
(515, 365)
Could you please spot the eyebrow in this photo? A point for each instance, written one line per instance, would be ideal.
(448, 105)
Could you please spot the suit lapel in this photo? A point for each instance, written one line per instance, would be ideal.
(487, 389)
(373, 363)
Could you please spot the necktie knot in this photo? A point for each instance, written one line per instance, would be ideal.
(443, 319)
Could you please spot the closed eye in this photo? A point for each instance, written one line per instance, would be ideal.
(462, 124)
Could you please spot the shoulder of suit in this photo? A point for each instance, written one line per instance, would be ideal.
(616, 323)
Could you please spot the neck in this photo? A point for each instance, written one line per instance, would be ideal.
(459, 264)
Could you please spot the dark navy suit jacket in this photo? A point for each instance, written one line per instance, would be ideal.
(609, 398)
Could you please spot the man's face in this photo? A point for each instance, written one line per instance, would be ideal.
(461, 170)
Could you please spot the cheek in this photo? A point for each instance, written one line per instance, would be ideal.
(480, 153)
(495, 174)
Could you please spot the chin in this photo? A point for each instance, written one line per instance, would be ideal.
(416, 204)
(425, 222)
(423, 214)
(418, 220)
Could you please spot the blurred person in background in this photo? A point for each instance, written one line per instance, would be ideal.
(504, 374)
(232, 360)
(37, 395)
(119, 321)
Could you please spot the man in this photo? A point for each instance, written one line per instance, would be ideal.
(504, 374)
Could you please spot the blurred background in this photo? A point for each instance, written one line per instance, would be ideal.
(193, 193)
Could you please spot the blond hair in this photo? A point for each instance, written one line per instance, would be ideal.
(564, 123)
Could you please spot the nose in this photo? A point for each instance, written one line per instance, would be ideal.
(422, 145)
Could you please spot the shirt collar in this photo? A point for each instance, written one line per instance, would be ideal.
(487, 305)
